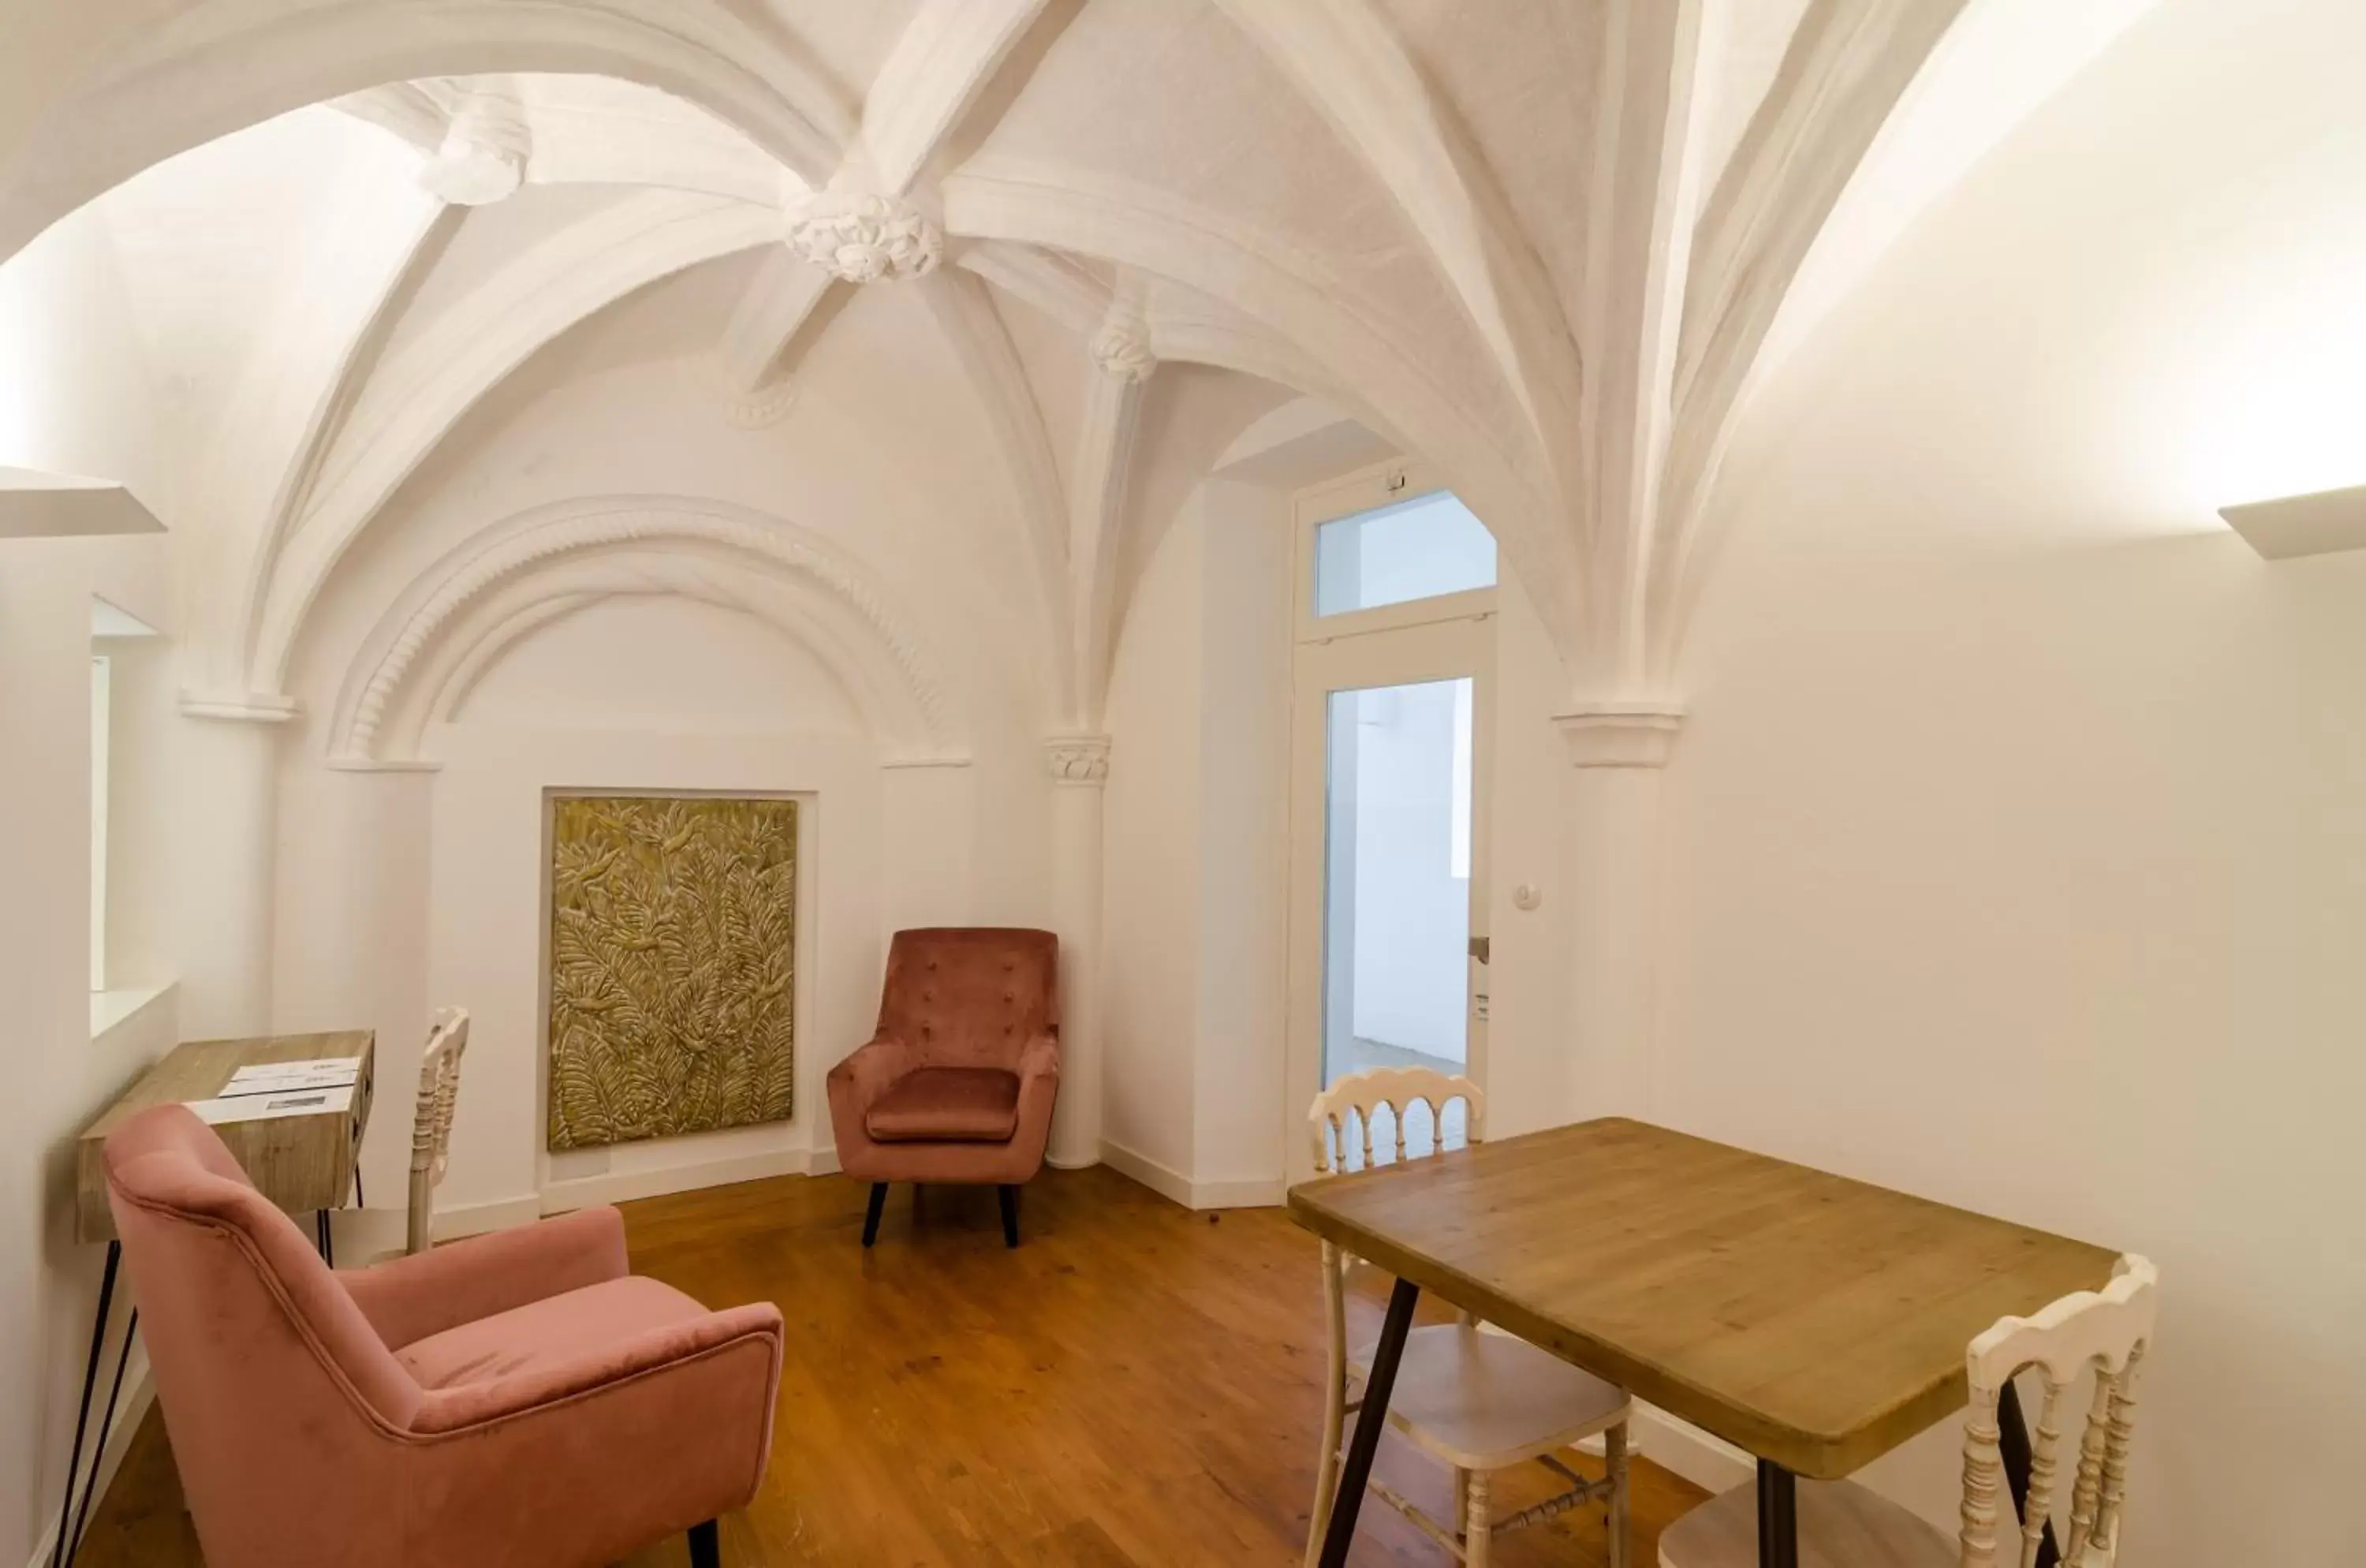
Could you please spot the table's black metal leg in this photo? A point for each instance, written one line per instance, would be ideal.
(89, 1386)
(106, 1424)
(1778, 1517)
(359, 1201)
(2013, 1443)
(323, 1238)
(1382, 1381)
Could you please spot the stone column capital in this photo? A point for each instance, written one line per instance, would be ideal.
(1637, 734)
(1078, 760)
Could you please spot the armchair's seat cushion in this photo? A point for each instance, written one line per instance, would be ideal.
(947, 1105)
(560, 1330)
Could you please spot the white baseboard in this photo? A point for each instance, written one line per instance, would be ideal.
(139, 1393)
(624, 1186)
(1171, 1185)
(1250, 1195)
(1708, 1461)
(1174, 1186)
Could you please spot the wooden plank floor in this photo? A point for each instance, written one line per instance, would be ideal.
(1137, 1386)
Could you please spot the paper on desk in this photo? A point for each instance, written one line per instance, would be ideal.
(271, 1077)
(270, 1106)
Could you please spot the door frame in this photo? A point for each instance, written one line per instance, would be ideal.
(1446, 638)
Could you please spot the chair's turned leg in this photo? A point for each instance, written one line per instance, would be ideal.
(1614, 1464)
(870, 1215)
(705, 1546)
(1475, 1523)
(1009, 1196)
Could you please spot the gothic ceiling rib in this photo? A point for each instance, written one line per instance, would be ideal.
(1392, 251)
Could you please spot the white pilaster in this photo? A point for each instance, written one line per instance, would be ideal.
(1611, 855)
(1079, 767)
(228, 791)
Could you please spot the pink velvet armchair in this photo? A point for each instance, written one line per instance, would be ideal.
(957, 1085)
(517, 1399)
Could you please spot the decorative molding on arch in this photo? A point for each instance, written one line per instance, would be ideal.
(534, 544)
(222, 65)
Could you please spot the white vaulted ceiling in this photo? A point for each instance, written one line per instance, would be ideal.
(1539, 243)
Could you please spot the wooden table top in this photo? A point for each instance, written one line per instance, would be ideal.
(1815, 1321)
(301, 1163)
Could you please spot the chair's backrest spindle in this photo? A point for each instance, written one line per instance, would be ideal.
(1359, 1095)
(2039, 1507)
(431, 1122)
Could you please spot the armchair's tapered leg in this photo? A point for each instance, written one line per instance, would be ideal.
(705, 1546)
(870, 1215)
(1009, 1196)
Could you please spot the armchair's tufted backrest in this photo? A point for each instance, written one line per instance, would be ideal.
(971, 996)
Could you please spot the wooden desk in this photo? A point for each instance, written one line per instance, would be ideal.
(1815, 1321)
(304, 1164)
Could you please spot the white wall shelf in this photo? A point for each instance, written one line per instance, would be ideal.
(37, 505)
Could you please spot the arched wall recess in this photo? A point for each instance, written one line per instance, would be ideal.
(222, 65)
(468, 647)
(439, 634)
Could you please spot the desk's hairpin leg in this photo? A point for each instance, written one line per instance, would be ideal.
(58, 1551)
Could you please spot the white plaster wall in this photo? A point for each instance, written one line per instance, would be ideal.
(402, 892)
(1245, 836)
(75, 396)
(59, 1077)
(487, 945)
(2018, 836)
(1150, 826)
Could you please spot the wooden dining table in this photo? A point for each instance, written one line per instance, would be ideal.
(1814, 1321)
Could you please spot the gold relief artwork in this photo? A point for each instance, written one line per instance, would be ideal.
(673, 965)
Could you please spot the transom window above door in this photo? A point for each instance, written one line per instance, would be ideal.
(1381, 549)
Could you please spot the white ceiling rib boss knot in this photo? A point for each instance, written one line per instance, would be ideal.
(1541, 246)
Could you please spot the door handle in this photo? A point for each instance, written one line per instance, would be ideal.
(1479, 948)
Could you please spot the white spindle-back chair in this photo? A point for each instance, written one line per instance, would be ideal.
(2102, 1334)
(1480, 1400)
(430, 1123)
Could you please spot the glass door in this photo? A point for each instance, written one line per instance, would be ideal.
(1392, 720)
(1396, 878)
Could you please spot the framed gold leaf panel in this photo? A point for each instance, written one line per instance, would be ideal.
(673, 965)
